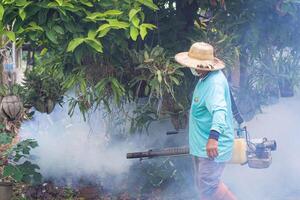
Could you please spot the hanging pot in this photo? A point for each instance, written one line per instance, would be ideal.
(6, 190)
(46, 106)
(11, 107)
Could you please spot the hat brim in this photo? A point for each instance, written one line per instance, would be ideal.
(204, 65)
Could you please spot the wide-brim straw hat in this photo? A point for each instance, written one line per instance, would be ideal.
(200, 56)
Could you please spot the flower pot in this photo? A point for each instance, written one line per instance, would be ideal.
(6, 190)
(11, 107)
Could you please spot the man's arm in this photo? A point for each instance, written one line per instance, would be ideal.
(217, 106)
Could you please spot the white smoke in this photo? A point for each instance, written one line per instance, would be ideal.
(282, 180)
(72, 148)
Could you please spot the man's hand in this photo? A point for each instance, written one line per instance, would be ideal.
(212, 148)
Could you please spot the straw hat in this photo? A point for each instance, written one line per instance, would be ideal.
(200, 56)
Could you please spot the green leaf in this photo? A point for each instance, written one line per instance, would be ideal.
(51, 35)
(5, 138)
(34, 26)
(95, 44)
(135, 21)
(11, 35)
(52, 5)
(58, 29)
(92, 34)
(74, 44)
(44, 51)
(21, 3)
(134, 32)
(133, 12)
(86, 2)
(103, 32)
(101, 16)
(143, 32)
(1, 12)
(22, 13)
(13, 172)
(60, 2)
(113, 23)
(103, 27)
(149, 4)
(159, 76)
(112, 12)
(175, 80)
(96, 16)
(118, 24)
(149, 26)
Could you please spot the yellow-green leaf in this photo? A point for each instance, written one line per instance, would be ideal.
(149, 26)
(133, 12)
(92, 34)
(134, 32)
(44, 51)
(149, 4)
(135, 21)
(11, 35)
(118, 24)
(60, 2)
(103, 27)
(22, 13)
(1, 12)
(143, 32)
(74, 44)
(103, 32)
(112, 12)
(21, 3)
(95, 44)
(86, 2)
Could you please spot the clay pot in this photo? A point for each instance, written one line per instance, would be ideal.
(6, 190)
(89, 193)
(11, 107)
(46, 106)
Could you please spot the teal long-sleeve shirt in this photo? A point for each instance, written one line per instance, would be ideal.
(211, 110)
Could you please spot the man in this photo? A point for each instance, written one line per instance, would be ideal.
(211, 132)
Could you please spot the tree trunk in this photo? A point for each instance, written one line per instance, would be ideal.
(186, 12)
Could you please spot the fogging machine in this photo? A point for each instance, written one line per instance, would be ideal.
(256, 153)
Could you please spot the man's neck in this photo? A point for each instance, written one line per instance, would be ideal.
(203, 75)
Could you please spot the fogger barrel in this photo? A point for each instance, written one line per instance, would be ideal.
(239, 152)
(176, 151)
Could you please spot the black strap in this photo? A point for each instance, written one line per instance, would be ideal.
(236, 114)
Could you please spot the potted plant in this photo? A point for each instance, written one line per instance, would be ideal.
(15, 163)
(6, 187)
(43, 88)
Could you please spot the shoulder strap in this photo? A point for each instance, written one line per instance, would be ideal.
(236, 114)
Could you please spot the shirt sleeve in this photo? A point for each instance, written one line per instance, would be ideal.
(216, 104)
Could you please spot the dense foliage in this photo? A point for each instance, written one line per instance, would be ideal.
(119, 51)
